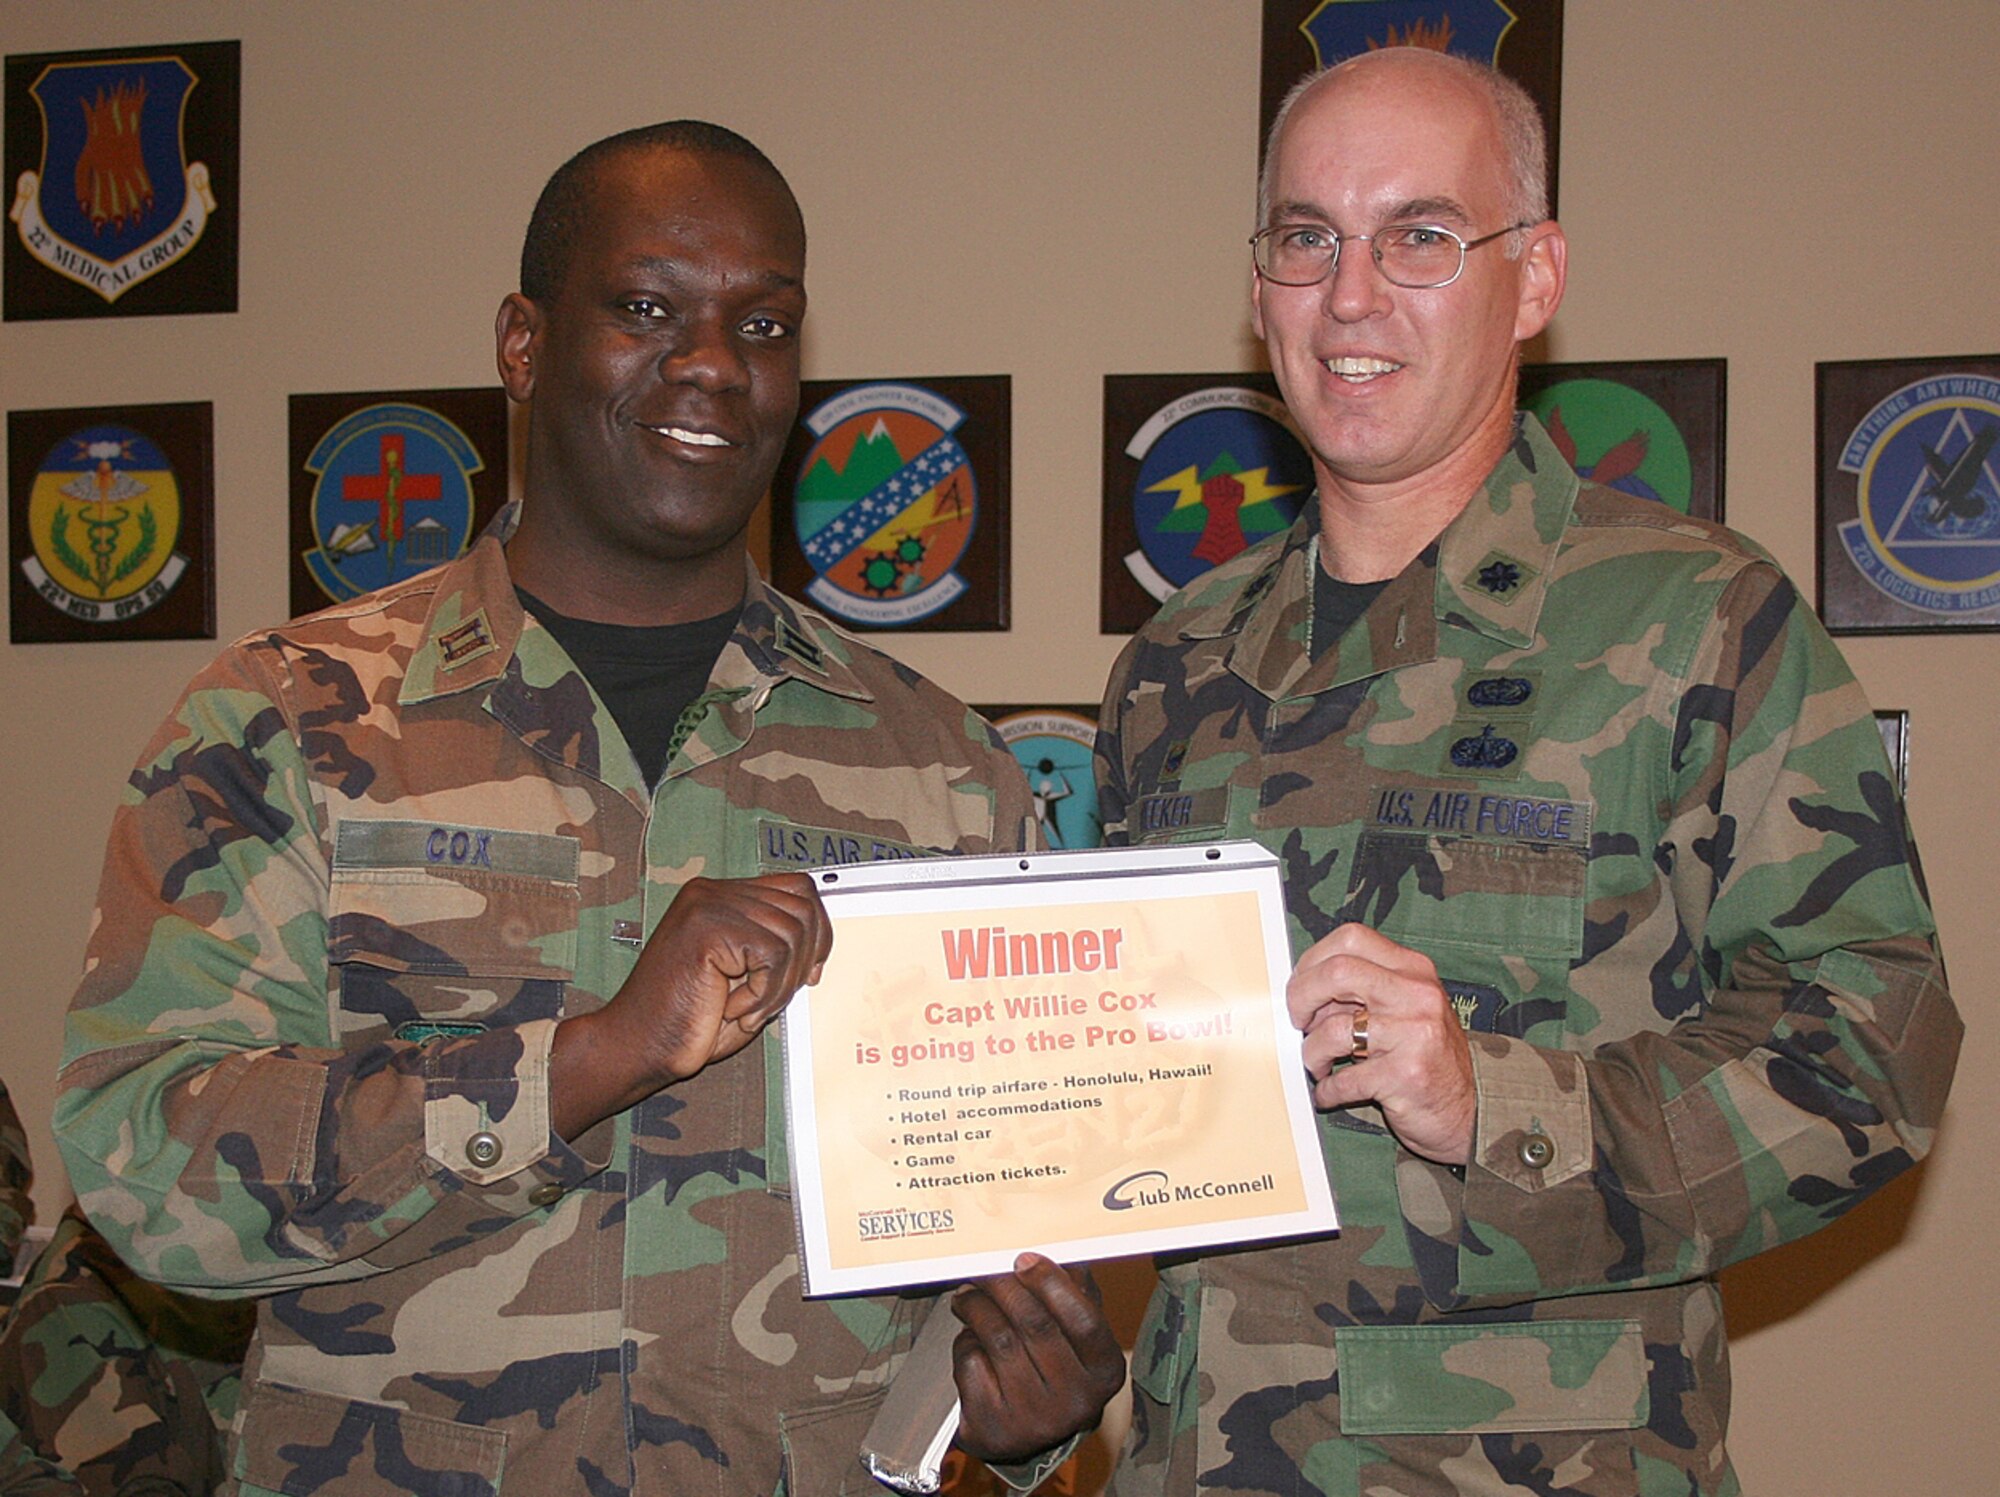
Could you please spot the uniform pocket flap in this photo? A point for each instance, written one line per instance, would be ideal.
(1492, 1379)
(1433, 891)
(295, 1441)
(822, 1448)
(490, 904)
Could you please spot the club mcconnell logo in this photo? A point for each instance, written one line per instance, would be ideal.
(116, 199)
(392, 498)
(1218, 469)
(1927, 495)
(885, 504)
(1156, 1188)
(104, 513)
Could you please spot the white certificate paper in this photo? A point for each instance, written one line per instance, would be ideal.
(1082, 1053)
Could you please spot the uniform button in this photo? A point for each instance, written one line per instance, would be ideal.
(483, 1149)
(545, 1195)
(1537, 1151)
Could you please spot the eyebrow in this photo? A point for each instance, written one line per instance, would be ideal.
(1415, 210)
(1429, 208)
(671, 268)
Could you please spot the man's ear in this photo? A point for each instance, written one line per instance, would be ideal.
(1544, 273)
(517, 335)
(1257, 305)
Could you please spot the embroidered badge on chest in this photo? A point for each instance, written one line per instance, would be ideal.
(1476, 1005)
(1480, 750)
(1499, 694)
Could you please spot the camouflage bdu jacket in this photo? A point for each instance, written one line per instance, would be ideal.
(129, 1385)
(1603, 767)
(369, 861)
(25, 1474)
(17, 1208)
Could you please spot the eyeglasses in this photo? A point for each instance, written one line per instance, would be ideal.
(1418, 257)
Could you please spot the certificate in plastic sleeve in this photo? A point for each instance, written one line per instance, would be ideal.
(1082, 1053)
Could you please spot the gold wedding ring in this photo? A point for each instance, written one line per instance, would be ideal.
(1359, 1029)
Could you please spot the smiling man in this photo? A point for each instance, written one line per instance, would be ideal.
(1612, 963)
(439, 934)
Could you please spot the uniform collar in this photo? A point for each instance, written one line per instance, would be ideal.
(1488, 571)
(473, 632)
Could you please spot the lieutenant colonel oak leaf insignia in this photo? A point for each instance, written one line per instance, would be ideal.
(1501, 576)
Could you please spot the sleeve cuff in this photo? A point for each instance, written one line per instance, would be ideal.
(1025, 1476)
(1533, 1130)
(486, 1102)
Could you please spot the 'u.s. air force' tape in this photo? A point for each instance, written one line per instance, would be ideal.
(1449, 811)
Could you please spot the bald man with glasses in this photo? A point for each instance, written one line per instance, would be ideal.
(1613, 965)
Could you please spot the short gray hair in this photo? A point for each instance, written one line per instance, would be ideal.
(1523, 140)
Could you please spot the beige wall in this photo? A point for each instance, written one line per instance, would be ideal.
(1057, 192)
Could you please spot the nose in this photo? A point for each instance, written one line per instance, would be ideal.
(1357, 289)
(706, 356)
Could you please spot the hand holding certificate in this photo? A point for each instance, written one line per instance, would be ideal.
(1084, 1053)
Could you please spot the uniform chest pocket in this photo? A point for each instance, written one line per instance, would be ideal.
(437, 931)
(1428, 891)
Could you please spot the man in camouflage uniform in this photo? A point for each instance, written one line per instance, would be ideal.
(1612, 965)
(108, 1384)
(17, 1209)
(25, 1474)
(416, 1008)
(130, 1386)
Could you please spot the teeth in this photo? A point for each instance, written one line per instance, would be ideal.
(1360, 369)
(692, 438)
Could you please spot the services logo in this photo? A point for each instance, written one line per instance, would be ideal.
(892, 1226)
(1927, 528)
(118, 186)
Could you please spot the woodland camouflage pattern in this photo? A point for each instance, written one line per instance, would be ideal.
(128, 1386)
(25, 1474)
(367, 863)
(1601, 764)
(17, 1210)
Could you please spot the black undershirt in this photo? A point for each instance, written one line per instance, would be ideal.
(648, 675)
(1337, 606)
